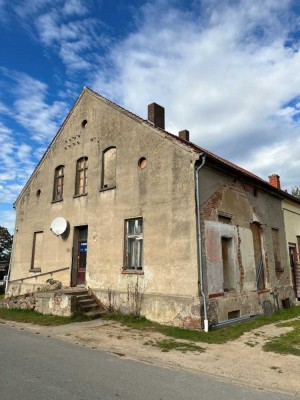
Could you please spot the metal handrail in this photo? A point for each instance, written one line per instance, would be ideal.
(36, 276)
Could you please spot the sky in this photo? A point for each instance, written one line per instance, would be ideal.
(226, 70)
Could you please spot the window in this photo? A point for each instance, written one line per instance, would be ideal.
(276, 249)
(58, 189)
(133, 244)
(37, 251)
(109, 168)
(81, 176)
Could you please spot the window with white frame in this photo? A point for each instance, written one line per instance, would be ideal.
(58, 189)
(81, 176)
(133, 254)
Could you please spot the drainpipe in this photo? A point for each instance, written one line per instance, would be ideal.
(199, 239)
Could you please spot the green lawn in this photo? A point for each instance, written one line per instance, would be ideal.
(216, 336)
(37, 318)
(288, 343)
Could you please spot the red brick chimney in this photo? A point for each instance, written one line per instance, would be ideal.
(185, 134)
(274, 180)
(156, 115)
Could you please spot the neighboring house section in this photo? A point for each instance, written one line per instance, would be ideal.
(127, 190)
(291, 210)
(244, 243)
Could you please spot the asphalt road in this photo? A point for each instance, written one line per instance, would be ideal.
(37, 367)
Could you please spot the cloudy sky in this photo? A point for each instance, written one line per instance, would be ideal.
(226, 70)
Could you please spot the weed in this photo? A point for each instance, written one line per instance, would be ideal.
(171, 344)
(250, 344)
(135, 298)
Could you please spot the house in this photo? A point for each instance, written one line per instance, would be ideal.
(291, 213)
(138, 213)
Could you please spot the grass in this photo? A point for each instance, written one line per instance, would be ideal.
(1, 296)
(33, 317)
(288, 343)
(215, 336)
(170, 344)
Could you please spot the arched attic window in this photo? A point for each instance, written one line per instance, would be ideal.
(108, 180)
(58, 188)
(81, 176)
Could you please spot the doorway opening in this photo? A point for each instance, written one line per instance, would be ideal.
(79, 255)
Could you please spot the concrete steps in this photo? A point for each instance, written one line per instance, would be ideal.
(88, 304)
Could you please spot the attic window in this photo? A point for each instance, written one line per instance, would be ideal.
(84, 123)
(142, 162)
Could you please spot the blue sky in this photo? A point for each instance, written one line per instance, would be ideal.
(227, 70)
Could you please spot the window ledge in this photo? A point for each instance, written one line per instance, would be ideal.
(35, 270)
(107, 188)
(132, 272)
(214, 295)
(79, 195)
(57, 201)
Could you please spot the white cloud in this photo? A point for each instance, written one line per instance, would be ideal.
(31, 109)
(222, 70)
(73, 7)
(41, 119)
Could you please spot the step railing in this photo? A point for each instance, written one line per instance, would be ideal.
(38, 275)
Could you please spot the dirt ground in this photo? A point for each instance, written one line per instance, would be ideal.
(241, 360)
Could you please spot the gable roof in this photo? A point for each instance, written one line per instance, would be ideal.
(213, 159)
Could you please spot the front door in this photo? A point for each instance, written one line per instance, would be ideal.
(79, 255)
(81, 261)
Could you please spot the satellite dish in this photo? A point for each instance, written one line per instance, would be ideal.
(58, 226)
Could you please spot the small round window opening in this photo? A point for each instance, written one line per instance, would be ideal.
(84, 123)
(142, 162)
(38, 193)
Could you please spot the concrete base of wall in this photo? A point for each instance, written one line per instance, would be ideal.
(174, 310)
(56, 303)
(181, 311)
(50, 303)
(231, 304)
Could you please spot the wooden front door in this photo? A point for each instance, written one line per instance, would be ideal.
(80, 246)
(81, 262)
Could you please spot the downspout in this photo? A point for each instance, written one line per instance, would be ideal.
(199, 241)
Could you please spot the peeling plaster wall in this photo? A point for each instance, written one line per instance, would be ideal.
(242, 204)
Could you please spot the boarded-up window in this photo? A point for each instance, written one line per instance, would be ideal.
(259, 265)
(37, 250)
(58, 183)
(109, 168)
(228, 264)
(81, 176)
(276, 249)
(133, 244)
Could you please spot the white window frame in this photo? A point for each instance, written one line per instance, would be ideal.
(133, 261)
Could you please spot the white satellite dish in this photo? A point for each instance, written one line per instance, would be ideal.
(58, 226)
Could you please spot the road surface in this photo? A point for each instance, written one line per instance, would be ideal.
(36, 367)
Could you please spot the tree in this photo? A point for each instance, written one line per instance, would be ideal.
(296, 192)
(5, 244)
